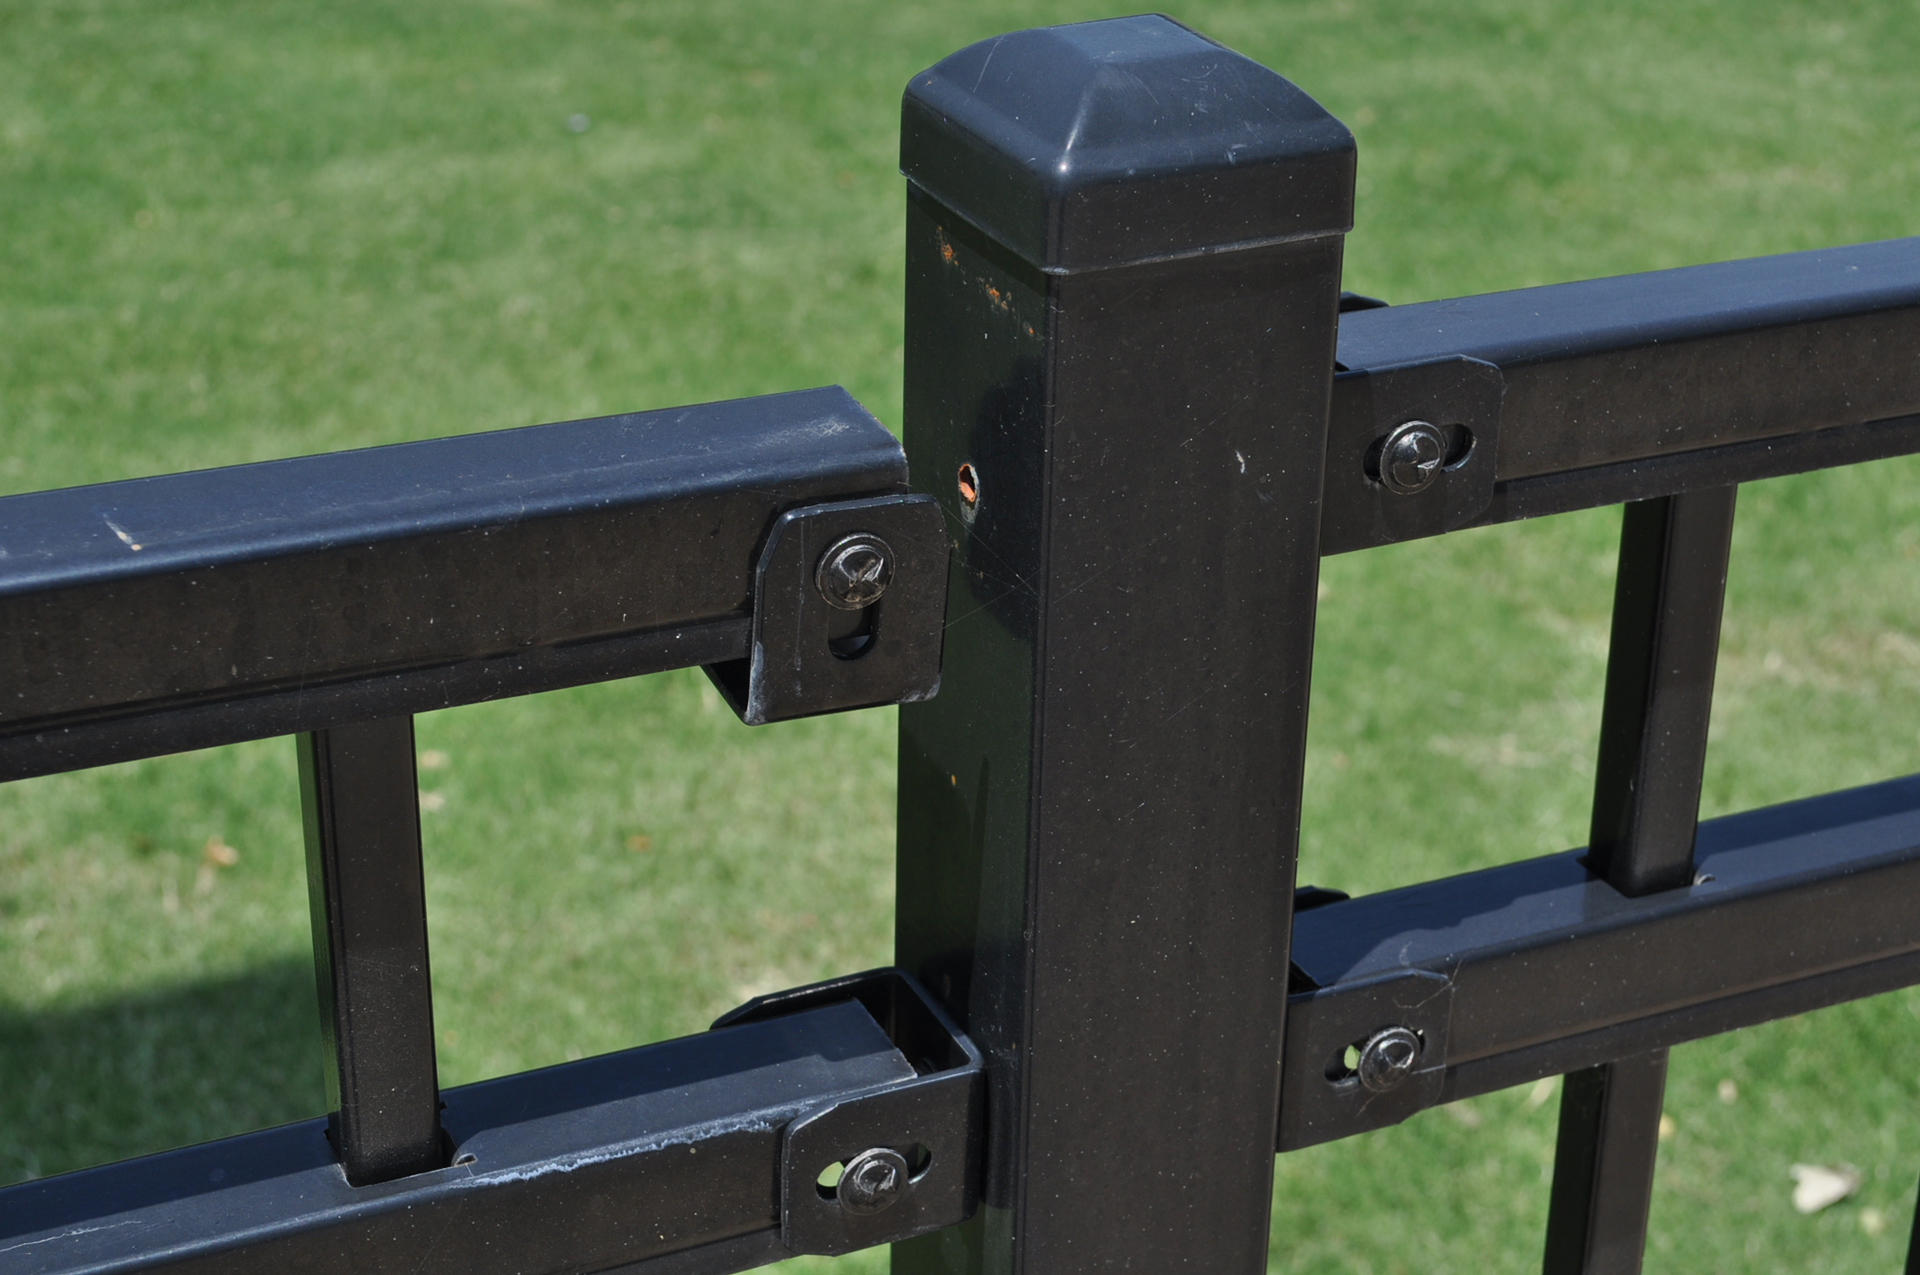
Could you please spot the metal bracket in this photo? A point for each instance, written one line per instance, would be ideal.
(816, 649)
(1458, 399)
(1321, 1096)
(932, 1125)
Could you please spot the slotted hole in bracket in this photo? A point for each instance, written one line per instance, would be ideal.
(1459, 446)
(829, 1180)
(850, 634)
(919, 1160)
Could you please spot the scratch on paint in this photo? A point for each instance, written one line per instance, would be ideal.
(74, 1234)
(119, 531)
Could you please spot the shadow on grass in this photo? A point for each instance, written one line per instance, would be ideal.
(100, 1082)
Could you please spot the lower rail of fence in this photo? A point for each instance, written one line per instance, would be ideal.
(1413, 997)
(697, 1156)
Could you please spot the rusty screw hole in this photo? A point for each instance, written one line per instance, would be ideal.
(969, 491)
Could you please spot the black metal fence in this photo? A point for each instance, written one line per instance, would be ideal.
(1139, 410)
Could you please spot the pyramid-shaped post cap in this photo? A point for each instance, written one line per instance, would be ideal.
(1104, 143)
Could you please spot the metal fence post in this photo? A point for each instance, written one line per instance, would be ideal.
(1123, 264)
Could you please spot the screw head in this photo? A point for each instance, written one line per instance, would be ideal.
(854, 571)
(873, 1180)
(1387, 1058)
(1411, 458)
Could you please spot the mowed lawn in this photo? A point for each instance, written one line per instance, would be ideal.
(253, 229)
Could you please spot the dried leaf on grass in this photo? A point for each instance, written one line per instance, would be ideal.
(1816, 1186)
(215, 856)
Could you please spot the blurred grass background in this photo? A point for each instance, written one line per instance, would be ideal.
(253, 229)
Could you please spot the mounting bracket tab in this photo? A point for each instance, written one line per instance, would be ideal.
(815, 654)
(1320, 1098)
(1460, 398)
(934, 1123)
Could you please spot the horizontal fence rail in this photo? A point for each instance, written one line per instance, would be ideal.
(1139, 411)
(1796, 907)
(180, 612)
(697, 1156)
(1611, 390)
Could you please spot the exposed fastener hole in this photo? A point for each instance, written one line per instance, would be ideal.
(919, 1160)
(969, 484)
(1459, 446)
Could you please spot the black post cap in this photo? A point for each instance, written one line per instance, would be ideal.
(1104, 143)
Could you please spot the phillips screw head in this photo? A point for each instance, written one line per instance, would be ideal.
(1412, 457)
(874, 1180)
(854, 571)
(1387, 1058)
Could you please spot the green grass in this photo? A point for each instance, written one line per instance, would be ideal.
(254, 229)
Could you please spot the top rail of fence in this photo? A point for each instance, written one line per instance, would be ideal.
(1609, 390)
(177, 612)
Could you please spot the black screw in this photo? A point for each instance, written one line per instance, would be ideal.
(1387, 1058)
(854, 571)
(873, 1180)
(1411, 457)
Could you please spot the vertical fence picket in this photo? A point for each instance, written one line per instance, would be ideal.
(359, 795)
(1603, 1166)
(1668, 598)
(1668, 592)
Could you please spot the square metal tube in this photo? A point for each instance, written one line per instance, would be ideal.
(362, 807)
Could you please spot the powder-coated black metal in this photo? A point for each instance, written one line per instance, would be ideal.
(942, 1112)
(1459, 396)
(1646, 385)
(1321, 1097)
(1098, 815)
(1721, 466)
(1609, 370)
(299, 708)
(176, 612)
(666, 1160)
(1668, 591)
(1603, 1167)
(1799, 906)
(1109, 143)
(362, 807)
(809, 656)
